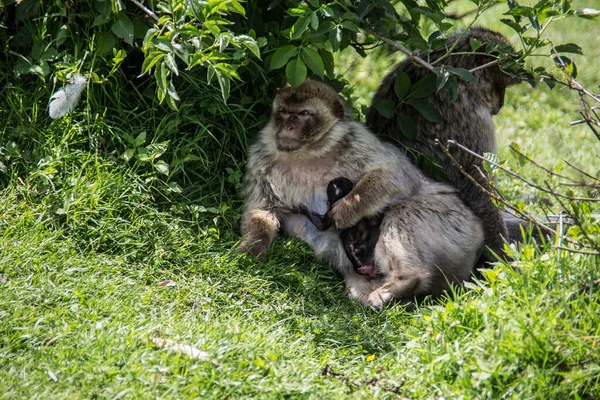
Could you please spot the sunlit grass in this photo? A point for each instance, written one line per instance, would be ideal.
(86, 239)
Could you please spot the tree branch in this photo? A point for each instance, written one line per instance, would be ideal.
(519, 177)
(404, 50)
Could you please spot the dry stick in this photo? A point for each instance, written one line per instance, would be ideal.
(415, 57)
(531, 184)
(580, 171)
(145, 9)
(575, 218)
(581, 184)
(403, 49)
(541, 166)
(504, 202)
(456, 15)
(591, 253)
(484, 66)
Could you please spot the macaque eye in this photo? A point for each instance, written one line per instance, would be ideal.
(304, 112)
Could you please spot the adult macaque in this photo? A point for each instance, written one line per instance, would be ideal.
(467, 120)
(310, 141)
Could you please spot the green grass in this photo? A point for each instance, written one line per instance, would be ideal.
(86, 238)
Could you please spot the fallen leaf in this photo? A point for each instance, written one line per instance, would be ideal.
(52, 376)
(50, 340)
(182, 348)
(167, 283)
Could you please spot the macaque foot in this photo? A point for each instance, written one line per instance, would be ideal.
(379, 298)
(358, 287)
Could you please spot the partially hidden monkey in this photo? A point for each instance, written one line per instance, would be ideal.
(428, 238)
(467, 120)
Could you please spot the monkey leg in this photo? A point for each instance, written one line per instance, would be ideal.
(259, 229)
(396, 287)
(327, 245)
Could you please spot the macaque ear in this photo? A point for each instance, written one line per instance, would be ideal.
(286, 86)
(339, 108)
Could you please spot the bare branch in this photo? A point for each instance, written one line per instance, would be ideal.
(580, 171)
(581, 184)
(512, 148)
(456, 15)
(145, 9)
(484, 66)
(403, 49)
(591, 253)
(533, 185)
(540, 225)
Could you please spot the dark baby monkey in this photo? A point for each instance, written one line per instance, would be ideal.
(359, 241)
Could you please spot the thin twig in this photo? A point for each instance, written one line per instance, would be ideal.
(580, 171)
(575, 218)
(484, 66)
(403, 49)
(581, 184)
(456, 15)
(531, 184)
(540, 225)
(511, 147)
(145, 9)
(591, 253)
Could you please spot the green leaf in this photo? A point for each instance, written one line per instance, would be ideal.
(401, 84)
(475, 43)
(299, 27)
(424, 87)
(314, 21)
(327, 58)
(442, 78)
(568, 48)
(101, 19)
(162, 167)
(123, 28)
(106, 42)
(282, 56)
(162, 75)
(151, 60)
(386, 108)
(295, 72)
(140, 139)
(224, 83)
(335, 38)
(465, 74)
(425, 108)
(170, 62)
(407, 125)
(250, 44)
(314, 61)
(513, 25)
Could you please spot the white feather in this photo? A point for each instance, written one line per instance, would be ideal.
(65, 99)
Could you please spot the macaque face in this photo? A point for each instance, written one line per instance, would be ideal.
(296, 125)
(303, 115)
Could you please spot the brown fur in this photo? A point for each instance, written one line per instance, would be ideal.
(280, 181)
(467, 120)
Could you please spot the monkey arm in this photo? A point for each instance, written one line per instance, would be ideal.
(377, 189)
(259, 229)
